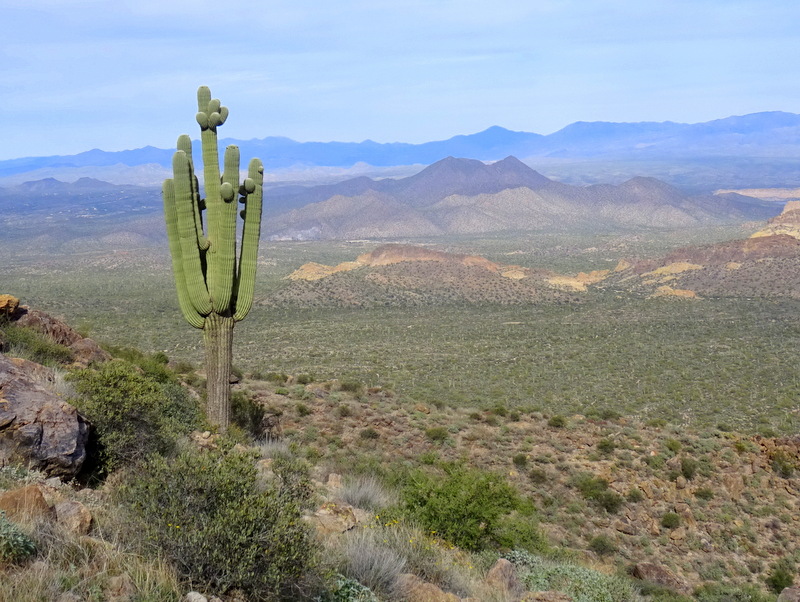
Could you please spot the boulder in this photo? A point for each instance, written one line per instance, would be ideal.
(503, 577)
(331, 518)
(8, 305)
(25, 503)
(74, 517)
(790, 594)
(415, 589)
(37, 428)
(46, 324)
(86, 351)
(655, 573)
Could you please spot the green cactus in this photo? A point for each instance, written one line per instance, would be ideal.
(214, 290)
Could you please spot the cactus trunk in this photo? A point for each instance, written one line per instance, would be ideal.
(215, 289)
(218, 340)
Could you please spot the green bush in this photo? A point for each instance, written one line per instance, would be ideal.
(133, 415)
(462, 505)
(670, 520)
(781, 576)
(437, 434)
(352, 386)
(247, 413)
(689, 468)
(602, 545)
(304, 379)
(606, 446)
(369, 433)
(520, 460)
(557, 421)
(782, 464)
(704, 493)
(207, 512)
(153, 365)
(15, 546)
(595, 490)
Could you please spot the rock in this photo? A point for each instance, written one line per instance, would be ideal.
(8, 305)
(334, 481)
(37, 428)
(503, 577)
(680, 482)
(194, 597)
(85, 352)
(120, 589)
(655, 573)
(69, 597)
(625, 526)
(46, 324)
(422, 408)
(74, 517)
(25, 502)
(333, 518)
(790, 594)
(415, 589)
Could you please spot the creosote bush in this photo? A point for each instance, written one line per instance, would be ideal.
(467, 507)
(208, 514)
(133, 414)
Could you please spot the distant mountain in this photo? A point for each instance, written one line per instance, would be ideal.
(464, 196)
(771, 135)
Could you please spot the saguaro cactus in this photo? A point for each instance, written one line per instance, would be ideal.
(215, 288)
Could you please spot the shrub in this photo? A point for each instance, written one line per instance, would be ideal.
(673, 445)
(670, 520)
(602, 545)
(304, 379)
(209, 515)
(520, 460)
(247, 413)
(346, 589)
(437, 434)
(15, 546)
(303, 410)
(540, 574)
(537, 475)
(595, 490)
(606, 446)
(462, 505)
(782, 464)
(369, 433)
(781, 576)
(557, 421)
(344, 411)
(133, 414)
(352, 386)
(635, 495)
(688, 467)
(704, 493)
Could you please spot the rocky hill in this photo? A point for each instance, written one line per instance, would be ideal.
(465, 196)
(412, 275)
(765, 265)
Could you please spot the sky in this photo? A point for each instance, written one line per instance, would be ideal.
(82, 74)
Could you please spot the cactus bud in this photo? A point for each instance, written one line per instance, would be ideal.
(202, 120)
(226, 192)
(223, 113)
(249, 185)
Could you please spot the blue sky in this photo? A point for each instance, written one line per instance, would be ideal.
(82, 74)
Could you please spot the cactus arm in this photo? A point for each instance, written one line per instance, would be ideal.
(223, 268)
(248, 258)
(187, 235)
(185, 144)
(171, 217)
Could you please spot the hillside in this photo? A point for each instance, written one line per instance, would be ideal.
(709, 515)
(465, 196)
(408, 275)
(765, 265)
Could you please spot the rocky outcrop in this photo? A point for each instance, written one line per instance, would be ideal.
(85, 351)
(37, 428)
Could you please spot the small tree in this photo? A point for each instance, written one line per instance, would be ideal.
(215, 287)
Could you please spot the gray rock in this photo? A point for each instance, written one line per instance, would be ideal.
(790, 594)
(37, 428)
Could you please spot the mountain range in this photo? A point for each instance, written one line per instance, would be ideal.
(466, 196)
(769, 136)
